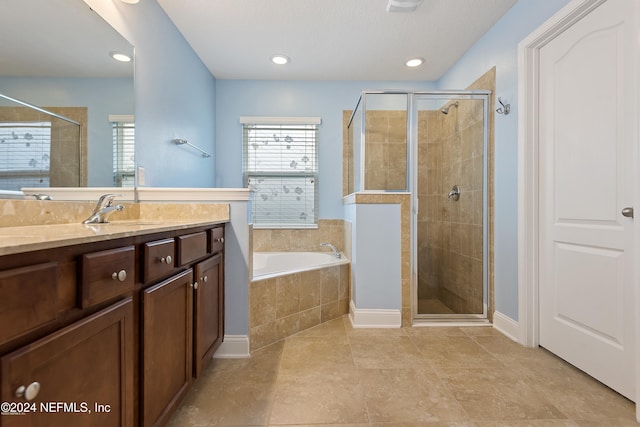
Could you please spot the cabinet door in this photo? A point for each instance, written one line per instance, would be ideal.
(81, 375)
(167, 317)
(209, 311)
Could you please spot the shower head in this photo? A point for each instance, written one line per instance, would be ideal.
(445, 110)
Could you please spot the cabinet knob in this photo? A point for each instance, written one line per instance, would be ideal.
(29, 392)
(120, 276)
(195, 286)
(166, 260)
(204, 279)
(220, 239)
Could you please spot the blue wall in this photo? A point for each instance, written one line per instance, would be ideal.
(325, 99)
(101, 96)
(499, 48)
(174, 96)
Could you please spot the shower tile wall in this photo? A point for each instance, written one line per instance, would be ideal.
(450, 232)
(67, 146)
(386, 150)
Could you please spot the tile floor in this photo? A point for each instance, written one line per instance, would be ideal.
(432, 376)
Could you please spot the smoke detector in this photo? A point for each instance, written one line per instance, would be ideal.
(403, 5)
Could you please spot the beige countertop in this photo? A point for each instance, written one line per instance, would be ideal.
(36, 237)
(22, 231)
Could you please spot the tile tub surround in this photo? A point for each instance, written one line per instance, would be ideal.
(299, 240)
(439, 376)
(285, 305)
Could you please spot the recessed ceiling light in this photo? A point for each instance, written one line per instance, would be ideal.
(119, 56)
(403, 5)
(414, 62)
(279, 59)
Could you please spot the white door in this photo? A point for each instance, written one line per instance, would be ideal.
(586, 179)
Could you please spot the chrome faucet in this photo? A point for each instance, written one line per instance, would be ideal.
(104, 208)
(335, 250)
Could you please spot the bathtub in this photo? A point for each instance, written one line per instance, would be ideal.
(272, 264)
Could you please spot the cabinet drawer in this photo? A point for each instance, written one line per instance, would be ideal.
(159, 259)
(107, 274)
(216, 242)
(28, 297)
(191, 247)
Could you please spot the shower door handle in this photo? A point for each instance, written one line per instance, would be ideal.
(628, 212)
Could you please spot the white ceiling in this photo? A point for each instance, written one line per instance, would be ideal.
(58, 38)
(331, 39)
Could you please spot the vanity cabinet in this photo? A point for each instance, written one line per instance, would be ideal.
(167, 324)
(110, 333)
(208, 311)
(87, 367)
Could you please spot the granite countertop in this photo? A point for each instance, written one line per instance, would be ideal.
(153, 218)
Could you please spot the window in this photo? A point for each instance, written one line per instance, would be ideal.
(123, 150)
(25, 157)
(280, 164)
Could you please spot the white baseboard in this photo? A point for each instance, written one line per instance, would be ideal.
(233, 347)
(506, 326)
(374, 318)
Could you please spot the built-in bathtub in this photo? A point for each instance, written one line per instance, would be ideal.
(293, 291)
(272, 264)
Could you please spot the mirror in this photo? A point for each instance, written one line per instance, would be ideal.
(55, 54)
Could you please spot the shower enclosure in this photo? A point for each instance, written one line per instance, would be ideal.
(433, 145)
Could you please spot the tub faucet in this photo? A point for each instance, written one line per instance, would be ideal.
(103, 209)
(335, 250)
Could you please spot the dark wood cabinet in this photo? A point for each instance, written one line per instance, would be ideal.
(167, 324)
(120, 327)
(208, 311)
(86, 366)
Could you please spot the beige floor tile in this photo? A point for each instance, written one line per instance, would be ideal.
(454, 352)
(487, 330)
(529, 423)
(243, 398)
(408, 395)
(433, 331)
(490, 394)
(316, 354)
(428, 424)
(373, 332)
(386, 352)
(318, 397)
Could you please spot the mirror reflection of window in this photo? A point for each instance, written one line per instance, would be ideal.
(123, 150)
(25, 158)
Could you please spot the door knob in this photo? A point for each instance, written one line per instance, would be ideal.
(628, 212)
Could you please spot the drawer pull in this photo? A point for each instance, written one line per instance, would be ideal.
(166, 260)
(220, 240)
(29, 392)
(121, 276)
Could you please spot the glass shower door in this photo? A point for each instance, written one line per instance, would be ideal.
(450, 188)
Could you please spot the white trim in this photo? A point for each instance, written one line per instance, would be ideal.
(157, 194)
(374, 318)
(82, 193)
(233, 347)
(528, 75)
(261, 120)
(506, 325)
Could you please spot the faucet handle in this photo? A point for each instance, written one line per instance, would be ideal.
(108, 198)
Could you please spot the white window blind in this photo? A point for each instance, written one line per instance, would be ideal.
(25, 154)
(123, 151)
(280, 164)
